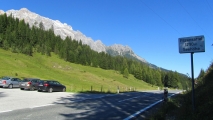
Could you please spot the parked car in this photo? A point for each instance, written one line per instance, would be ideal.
(50, 86)
(9, 82)
(29, 84)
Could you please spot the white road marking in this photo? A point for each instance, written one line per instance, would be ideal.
(129, 99)
(132, 98)
(144, 109)
(6, 111)
(28, 116)
(42, 106)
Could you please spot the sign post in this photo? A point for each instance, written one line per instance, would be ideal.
(191, 45)
(192, 70)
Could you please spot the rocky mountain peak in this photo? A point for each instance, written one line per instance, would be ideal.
(64, 30)
(121, 47)
(24, 10)
(1, 12)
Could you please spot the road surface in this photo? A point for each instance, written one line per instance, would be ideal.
(16, 104)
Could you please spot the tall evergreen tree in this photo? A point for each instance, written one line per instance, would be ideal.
(166, 81)
(201, 75)
(132, 68)
(158, 78)
(124, 65)
(126, 73)
(41, 26)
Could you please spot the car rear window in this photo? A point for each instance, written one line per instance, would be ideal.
(25, 80)
(5, 78)
(45, 82)
(41, 81)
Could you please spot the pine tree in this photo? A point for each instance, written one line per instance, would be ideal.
(166, 81)
(124, 65)
(132, 68)
(126, 73)
(158, 78)
(1, 41)
(3, 23)
(201, 75)
(41, 26)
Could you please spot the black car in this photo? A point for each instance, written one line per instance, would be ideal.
(50, 86)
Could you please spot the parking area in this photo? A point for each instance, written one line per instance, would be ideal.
(13, 99)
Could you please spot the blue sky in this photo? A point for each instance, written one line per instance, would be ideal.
(150, 27)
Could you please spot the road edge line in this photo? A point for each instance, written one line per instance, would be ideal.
(146, 108)
(5, 111)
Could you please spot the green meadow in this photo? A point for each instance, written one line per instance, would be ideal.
(77, 78)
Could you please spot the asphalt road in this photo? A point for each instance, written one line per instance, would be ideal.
(20, 105)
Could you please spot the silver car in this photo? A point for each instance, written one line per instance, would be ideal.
(9, 82)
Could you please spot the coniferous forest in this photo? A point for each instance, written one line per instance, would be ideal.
(18, 37)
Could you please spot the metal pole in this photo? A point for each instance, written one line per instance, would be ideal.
(192, 69)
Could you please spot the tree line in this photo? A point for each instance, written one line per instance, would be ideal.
(18, 37)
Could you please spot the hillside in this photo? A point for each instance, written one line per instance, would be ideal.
(203, 99)
(17, 37)
(76, 77)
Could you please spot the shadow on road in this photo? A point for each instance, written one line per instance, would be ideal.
(108, 106)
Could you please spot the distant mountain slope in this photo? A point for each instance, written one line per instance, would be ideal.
(121, 50)
(65, 30)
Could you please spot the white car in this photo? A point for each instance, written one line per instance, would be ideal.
(9, 82)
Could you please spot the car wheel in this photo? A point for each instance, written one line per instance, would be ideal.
(21, 88)
(50, 90)
(10, 86)
(39, 90)
(64, 90)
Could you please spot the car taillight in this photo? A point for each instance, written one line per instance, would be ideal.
(4, 81)
(46, 85)
(29, 83)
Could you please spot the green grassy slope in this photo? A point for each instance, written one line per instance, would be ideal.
(76, 77)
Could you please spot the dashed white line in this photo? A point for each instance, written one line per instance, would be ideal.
(6, 111)
(128, 99)
(42, 106)
(131, 98)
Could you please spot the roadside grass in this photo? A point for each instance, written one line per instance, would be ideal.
(77, 78)
(168, 110)
(180, 106)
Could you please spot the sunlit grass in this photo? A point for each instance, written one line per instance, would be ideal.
(77, 78)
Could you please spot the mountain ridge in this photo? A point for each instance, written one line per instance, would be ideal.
(64, 30)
